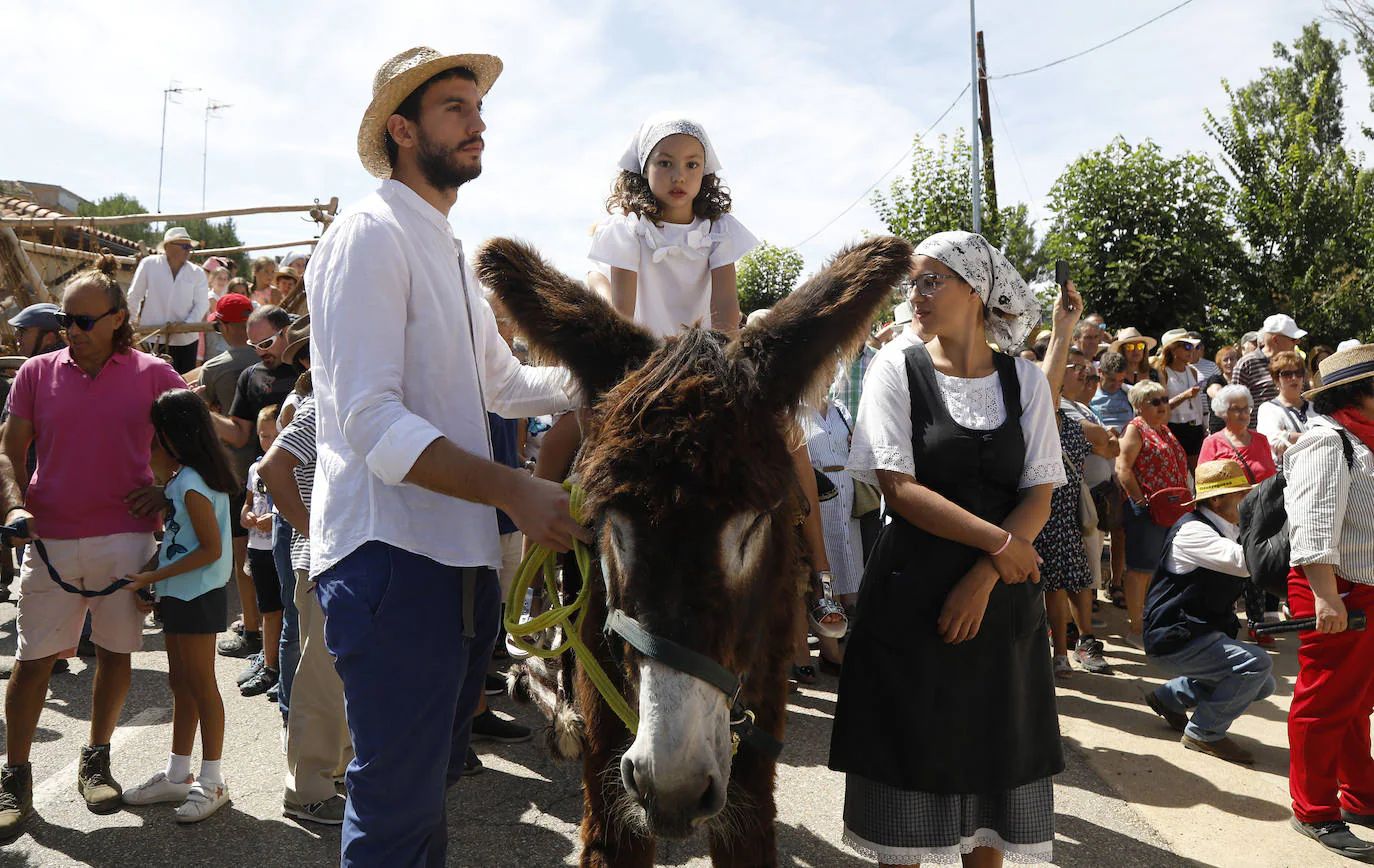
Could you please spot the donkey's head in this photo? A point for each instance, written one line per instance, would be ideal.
(691, 489)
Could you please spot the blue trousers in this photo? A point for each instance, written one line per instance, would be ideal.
(290, 647)
(411, 639)
(1218, 678)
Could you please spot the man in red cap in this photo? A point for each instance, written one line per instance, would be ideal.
(218, 379)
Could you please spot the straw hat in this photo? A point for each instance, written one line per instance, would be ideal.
(177, 235)
(1344, 367)
(1129, 334)
(297, 337)
(1215, 478)
(396, 80)
(1171, 337)
(283, 271)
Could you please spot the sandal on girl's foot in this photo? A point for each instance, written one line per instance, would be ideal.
(826, 607)
(804, 674)
(1118, 596)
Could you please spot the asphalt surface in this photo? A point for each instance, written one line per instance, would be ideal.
(522, 810)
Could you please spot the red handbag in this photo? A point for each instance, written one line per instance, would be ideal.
(1168, 505)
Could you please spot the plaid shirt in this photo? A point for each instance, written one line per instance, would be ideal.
(849, 379)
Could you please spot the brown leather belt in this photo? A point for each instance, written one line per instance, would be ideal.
(839, 469)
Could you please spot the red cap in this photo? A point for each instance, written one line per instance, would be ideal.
(232, 308)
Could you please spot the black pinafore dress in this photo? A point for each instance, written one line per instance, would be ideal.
(939, 741)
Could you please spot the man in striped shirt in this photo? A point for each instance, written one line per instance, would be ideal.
(1279, 334)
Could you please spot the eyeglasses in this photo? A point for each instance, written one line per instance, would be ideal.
(1134, 345)
(1157, 402)
(267, 343)
(927, 284)
(81, 320)
(1290, 375)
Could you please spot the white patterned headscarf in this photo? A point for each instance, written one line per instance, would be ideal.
(1009, 306)
(658, 128)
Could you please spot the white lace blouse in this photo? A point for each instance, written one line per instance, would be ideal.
(882, 433)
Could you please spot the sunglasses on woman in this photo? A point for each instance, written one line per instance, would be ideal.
(1157, 402)
(266, 344)
(1290, 375)
(81, 320)
(1134, 345)
(926, 285)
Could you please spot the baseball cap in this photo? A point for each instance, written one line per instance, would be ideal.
(232, 308)
(1283, 324)
(42, 315)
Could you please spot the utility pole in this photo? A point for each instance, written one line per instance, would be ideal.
(210, 108)
(172, 88)
(986, 127)
(973, 134)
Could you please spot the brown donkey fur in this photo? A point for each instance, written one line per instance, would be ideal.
(685, 437)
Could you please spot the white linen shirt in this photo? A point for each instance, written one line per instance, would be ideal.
(1198, 546)
(399, 359)
(157, 298)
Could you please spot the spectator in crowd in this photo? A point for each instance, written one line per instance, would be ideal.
(169, 288)
(407, 494)
(1112, 402)
(1136, 348)
(1097, 320)
(1225, 364)
(296, 260)
(1314, 360)
(1236, 441)
(290, 280)
(1151, 460)
(37, 330)
(1285, 417)
(1279, 334)
(1088, 337)
(1173, 368)
(1190, 621)
(264, 289)
(1330, 506)
(217, 273)
(828, 430)
(847, 390)
(91, 500)
(194, 563)
(257, 515)
(267, 382)
(1205, 366)
(1099, 477)
(1249, 343)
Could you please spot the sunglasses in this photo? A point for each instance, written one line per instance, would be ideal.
(81, 320)
(1134, 345)
(1290, 375)
(1075, 367)
(267, 343)
(927, 284)
(1157, 402)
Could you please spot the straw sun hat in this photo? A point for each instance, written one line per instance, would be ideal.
(396, 80)
(1215, 478)
(1344, 367)
(177, 235)
(1129, 334)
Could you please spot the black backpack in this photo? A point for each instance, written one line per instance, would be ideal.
(1264, 528)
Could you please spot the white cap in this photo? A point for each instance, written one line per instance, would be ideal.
(902, 313)
(1347, 345)
(757, 316)
(1283, 324)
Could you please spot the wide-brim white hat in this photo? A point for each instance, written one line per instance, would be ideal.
(396, 80)
(177, 235)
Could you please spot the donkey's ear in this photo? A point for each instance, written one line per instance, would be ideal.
(793, 350)
(562, 318)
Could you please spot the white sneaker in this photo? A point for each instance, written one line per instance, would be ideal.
(1062, 667)
(158, 789)
(202, 801)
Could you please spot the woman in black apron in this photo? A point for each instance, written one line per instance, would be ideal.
(946, 725)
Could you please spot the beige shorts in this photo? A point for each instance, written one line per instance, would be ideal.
(50, 619)
(511, 545)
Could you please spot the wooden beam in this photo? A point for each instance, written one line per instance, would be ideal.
(71, 252)
(171, 328)
(46, 222)
(244, 249)
(30, 287)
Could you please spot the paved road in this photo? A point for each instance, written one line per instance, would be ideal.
(522, 811)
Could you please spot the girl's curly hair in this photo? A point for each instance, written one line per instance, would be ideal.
(630, 194)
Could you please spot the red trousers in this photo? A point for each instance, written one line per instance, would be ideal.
(1330, 766)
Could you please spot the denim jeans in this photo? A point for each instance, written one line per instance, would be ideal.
(290, 647)
(1218, 678)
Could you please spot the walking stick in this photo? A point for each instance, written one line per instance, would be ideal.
(1298, 625)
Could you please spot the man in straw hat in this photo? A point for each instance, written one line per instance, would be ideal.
(407, 360)
(1190, 621)
(169, 288)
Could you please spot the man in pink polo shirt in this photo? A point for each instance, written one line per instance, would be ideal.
(87, 410)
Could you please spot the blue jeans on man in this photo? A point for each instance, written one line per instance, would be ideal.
(411, 639)
(289, 650)
(1218, 678)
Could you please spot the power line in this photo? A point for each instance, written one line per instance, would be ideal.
(889, 171)
(1119, 36)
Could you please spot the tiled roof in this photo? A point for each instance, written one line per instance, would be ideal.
(11, 206)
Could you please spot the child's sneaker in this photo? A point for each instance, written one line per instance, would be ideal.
(158, 789)
(202, 801)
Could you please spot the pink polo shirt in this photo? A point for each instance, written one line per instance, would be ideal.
(92, 437)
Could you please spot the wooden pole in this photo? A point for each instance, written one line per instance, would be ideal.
(71, 252)
(29, 286)
(47, 222)
(985, 125)
(244, 249)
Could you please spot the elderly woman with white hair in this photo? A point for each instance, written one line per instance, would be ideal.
(1236, 441)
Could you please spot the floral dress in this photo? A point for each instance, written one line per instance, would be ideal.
(1060, 542)
(1162, 462)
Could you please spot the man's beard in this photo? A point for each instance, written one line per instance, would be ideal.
(435, 163)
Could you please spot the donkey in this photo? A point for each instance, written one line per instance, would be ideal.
(691, 491)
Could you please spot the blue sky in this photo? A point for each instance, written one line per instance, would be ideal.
(807, 103)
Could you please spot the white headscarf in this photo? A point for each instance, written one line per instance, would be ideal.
(658, 128)
(1010, 307)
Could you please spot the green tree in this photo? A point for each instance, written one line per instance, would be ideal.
(934, 197)
(1146, 234)
(116, 205)
(765, 275)
(1299, 199)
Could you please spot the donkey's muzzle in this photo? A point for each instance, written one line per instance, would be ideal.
(675, 811)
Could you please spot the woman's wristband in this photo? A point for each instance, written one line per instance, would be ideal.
(1003, 548)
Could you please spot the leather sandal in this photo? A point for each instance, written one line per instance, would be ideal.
(826, 607)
